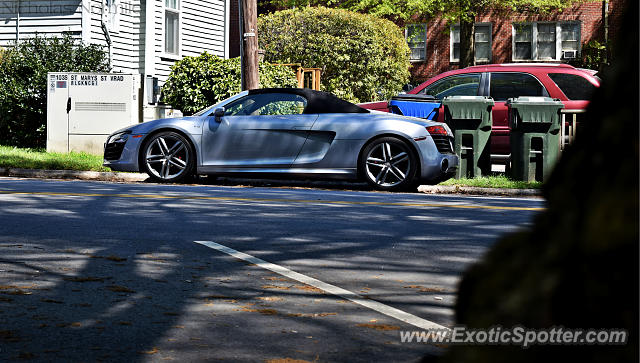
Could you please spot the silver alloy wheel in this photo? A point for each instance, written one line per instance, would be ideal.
(167, 156)
(387, 164)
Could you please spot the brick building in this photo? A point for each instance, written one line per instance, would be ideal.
(505, 37)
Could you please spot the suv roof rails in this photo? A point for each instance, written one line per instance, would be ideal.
(560, 65)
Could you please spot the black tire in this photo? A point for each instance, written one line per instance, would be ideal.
(168, 157)
(389, 164)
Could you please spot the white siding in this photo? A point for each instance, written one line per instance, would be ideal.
(47, 18)
(127, 39)
(202, 28)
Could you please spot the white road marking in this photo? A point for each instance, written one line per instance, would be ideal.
(331, 289)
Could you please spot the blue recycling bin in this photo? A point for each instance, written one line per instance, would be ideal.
(422, 106)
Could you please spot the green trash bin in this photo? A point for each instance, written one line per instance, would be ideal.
(469, 118)
(535, 136)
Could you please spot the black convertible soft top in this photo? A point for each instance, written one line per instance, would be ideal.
(317, 101)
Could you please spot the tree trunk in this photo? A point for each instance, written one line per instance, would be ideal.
(467, 53)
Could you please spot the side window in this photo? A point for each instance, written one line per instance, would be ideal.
(267, 104)
(573, 86)
(511, 85)
(289, 105)
(458, 85)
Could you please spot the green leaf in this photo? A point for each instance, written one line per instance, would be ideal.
(198, 82)
(23, 83)
(362, 57)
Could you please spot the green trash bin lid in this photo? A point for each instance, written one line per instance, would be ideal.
(534, 110)
(468, 108)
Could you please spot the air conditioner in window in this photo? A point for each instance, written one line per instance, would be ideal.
(569, 54)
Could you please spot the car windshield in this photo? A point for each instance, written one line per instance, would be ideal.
(207, 110)
(204, 110)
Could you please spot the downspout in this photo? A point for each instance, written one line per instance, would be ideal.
(103, 25)
(18, 23)
(227, 21)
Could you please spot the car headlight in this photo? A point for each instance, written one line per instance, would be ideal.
(120, 137)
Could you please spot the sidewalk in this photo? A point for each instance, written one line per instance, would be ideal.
(140, 177)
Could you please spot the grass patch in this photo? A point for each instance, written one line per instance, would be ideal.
(494, 182)
(12, 157)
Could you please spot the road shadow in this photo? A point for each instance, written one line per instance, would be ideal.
(107, 278)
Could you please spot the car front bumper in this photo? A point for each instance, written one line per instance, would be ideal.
(123, 158)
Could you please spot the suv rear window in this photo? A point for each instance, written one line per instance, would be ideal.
(573, 86)
(511, 85)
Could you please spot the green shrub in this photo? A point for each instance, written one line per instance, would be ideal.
(198, 82)
(23, 83)
(594, 56)
(363, 58)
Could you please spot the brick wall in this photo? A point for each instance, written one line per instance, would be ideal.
(438, 40)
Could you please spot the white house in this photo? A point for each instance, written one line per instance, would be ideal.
(143, 37)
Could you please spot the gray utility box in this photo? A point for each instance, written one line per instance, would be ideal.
(84, 108)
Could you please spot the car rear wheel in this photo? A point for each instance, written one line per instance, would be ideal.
(168, 157)
(389, 164)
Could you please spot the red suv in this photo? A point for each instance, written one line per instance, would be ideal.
(573, 86)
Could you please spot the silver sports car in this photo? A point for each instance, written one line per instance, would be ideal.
(287, 133)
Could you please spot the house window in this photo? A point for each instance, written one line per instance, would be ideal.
(417, 40)
(172, 27)
(546, 41)
(570, 38)
(111, 15)
(522, 40)
(482, 42)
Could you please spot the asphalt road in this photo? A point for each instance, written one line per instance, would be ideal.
(93, 271)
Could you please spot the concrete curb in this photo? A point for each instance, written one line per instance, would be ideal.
(458, 189)
(72, 174)
(140, 177)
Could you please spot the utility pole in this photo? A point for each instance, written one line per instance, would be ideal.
(605, 20)
(249, 49)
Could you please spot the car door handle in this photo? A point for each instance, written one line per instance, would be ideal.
(68, 104)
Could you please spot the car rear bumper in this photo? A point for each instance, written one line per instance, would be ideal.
(445, 164)
(435, 165)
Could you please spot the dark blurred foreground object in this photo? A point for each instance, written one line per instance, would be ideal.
(578, 265)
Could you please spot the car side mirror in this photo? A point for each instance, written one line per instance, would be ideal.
(218, 113)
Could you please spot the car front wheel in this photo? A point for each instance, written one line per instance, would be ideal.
(389, 164)
(168, 157)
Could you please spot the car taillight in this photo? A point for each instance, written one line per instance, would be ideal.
(437, 130)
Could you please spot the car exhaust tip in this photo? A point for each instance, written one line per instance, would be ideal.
(444, 165)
